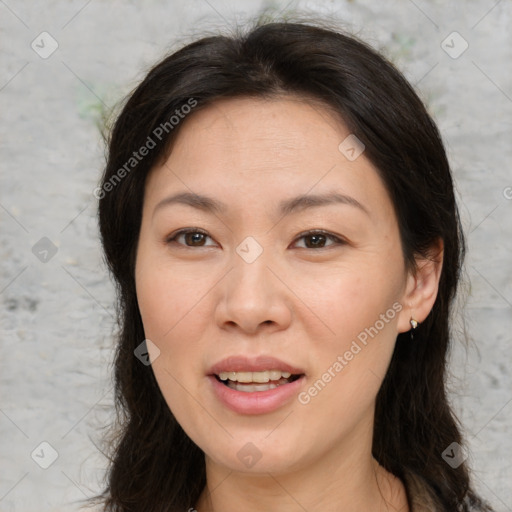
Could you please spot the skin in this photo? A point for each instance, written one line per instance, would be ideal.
(298, 302)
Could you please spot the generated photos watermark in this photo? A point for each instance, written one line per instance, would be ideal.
(157, 135)
(147, 352)
(342, 361)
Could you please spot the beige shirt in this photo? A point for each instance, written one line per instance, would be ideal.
(421, 497)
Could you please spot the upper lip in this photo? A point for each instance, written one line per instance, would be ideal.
(261, 363)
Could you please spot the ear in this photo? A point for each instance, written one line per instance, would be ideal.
(421, 287)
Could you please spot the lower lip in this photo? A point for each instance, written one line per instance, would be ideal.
(255, 402)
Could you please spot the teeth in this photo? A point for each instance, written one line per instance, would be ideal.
(250, 388)
(260, 377)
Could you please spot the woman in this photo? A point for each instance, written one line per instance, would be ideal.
(278, 213)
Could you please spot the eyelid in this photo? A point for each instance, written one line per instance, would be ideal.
(172, 237)
(334, 238)
(338, 240)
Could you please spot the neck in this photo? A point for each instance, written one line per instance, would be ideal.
(350, 483)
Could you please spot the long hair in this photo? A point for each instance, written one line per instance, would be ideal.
(155, 467)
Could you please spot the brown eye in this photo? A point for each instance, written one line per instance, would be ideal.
(318, 240)
(190, 238)
(315, 241)
(194, 239)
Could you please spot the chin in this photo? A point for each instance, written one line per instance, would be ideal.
(251, 455)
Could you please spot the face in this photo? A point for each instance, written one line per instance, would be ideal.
(266, 251)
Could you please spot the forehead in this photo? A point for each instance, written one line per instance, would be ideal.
(265, 128)
(253, 150)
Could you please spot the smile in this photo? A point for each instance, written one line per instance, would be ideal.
(249, 382)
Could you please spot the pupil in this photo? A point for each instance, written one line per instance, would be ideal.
(317, 240)
(195, 238)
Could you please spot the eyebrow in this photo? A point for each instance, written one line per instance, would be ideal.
(286, 207)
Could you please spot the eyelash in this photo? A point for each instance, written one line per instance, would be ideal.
(337, 240)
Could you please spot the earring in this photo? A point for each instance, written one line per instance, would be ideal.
(414, 324)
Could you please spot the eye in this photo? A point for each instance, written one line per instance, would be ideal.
(318, 240)
(190, 237)
(194, 237)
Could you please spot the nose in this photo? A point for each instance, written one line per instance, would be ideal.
(253, 298)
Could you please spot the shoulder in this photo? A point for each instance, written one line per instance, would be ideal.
(420, 495)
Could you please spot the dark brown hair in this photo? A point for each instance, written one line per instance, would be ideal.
(155, 466)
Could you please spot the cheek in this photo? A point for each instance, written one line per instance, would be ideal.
(350, 298)
(174, 318)
(361, 309)
(167, 296)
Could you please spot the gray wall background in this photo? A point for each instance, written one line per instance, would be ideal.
(57, 315)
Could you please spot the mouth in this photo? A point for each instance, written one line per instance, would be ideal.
(255, 385)
(251, 397)
(250, 382)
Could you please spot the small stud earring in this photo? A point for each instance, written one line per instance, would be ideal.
(414, 323)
